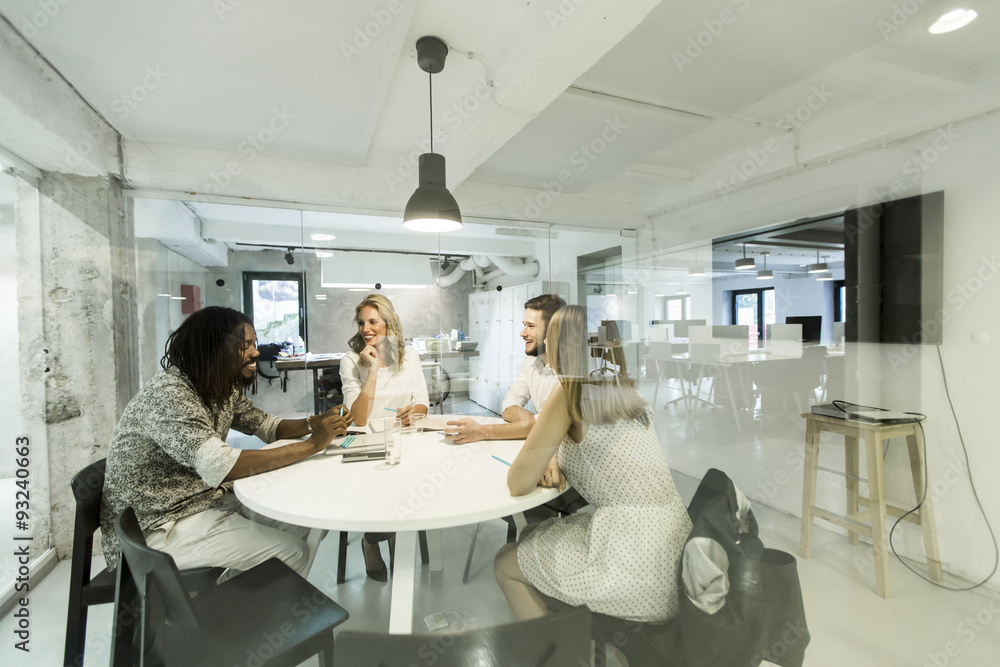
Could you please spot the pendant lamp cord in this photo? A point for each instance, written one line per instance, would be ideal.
(430, 97)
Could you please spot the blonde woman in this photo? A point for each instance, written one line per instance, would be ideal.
(381, 373)
(622, 559)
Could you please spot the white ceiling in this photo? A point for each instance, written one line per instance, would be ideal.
(550, 111)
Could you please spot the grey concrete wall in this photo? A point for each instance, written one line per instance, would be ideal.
(86, 344)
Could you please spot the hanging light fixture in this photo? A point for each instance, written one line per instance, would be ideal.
(431, 207)
(825, 276)
(818, 267)
(764, 274)
(746, 263)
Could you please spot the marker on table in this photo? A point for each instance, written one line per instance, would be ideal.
(500, 460)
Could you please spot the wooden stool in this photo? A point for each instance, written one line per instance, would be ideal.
(875, 505)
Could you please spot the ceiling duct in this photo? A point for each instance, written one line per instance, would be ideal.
(488, 268)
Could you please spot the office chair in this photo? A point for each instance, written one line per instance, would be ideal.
(559, 640)
(268, 615)
(84, 591)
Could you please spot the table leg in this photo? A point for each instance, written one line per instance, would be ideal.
(316, 400)
(809, 486)
(851, 460)
(401, 605)
(915, 444)
(434, 550)
(876, 505)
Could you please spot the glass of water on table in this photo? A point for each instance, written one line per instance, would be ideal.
(393, 440)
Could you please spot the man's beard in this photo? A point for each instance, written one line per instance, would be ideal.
(538, 351)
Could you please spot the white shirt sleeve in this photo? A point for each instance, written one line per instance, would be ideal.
(520, 392)
(352, 377)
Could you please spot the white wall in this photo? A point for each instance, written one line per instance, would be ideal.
(896, 376)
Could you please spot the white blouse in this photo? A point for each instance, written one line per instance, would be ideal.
(393, 388)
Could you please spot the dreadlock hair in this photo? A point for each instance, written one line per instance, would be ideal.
(207, 348)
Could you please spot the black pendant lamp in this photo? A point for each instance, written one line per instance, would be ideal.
(431, 207)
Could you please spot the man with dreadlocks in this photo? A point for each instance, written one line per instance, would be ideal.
(170, 463)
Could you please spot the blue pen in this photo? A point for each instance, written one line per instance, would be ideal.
(392, 409)
(500, 459)
(341, 410)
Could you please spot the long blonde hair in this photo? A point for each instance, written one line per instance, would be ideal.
(593, 401)
(395, 344)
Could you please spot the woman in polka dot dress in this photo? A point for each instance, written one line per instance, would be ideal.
(622, 559)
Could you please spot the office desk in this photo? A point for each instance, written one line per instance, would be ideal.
(437, 485)
(315, 363)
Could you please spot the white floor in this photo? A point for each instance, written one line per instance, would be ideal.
(919, 625)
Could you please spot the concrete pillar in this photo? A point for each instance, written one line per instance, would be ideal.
(84, 350)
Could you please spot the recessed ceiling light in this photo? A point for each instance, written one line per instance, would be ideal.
(322, 237)
(953, 20)
(659, 296)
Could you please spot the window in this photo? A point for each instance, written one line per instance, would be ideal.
(275, 302)
(678, 307)
(754, 308)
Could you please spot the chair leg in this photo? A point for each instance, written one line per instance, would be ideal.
(326, 653)
(125, 620)
(511, 531)
(76, 628)
(342, 558)
(468, 560)
(424, 555)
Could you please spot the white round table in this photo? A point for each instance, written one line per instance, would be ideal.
(436, 485)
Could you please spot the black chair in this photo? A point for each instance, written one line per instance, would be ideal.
(559, 640)
(84, 591)
(268, 614)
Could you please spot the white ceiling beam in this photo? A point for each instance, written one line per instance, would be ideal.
(551, 47)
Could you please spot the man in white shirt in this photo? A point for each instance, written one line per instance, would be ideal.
(533, 383)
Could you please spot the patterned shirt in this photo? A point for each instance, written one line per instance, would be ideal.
(168, 455)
